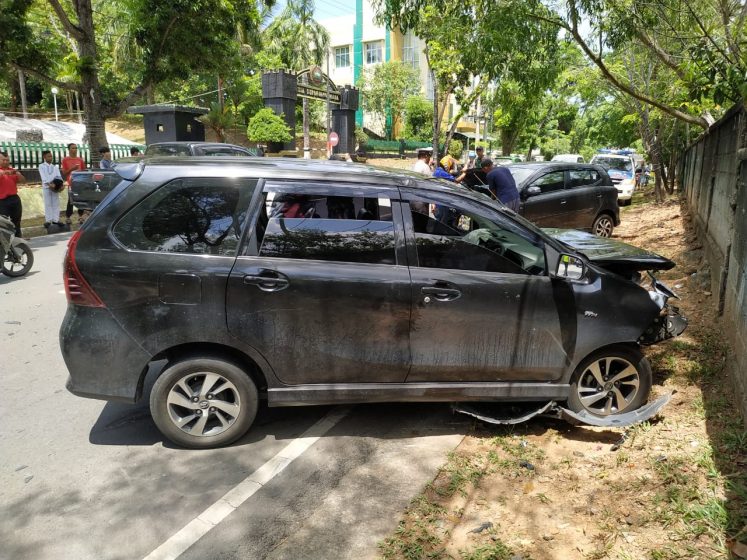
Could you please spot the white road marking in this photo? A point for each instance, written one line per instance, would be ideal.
(200, 525)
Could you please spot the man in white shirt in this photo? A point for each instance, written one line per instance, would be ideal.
(422, 166)
(49, 172)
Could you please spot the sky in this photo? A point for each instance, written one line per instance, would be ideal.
(324, 9)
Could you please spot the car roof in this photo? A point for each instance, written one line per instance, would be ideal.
(551, 164)
(289, 168)
(194, 143)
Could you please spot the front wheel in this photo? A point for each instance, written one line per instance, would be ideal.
(203, 403)
(19, 260)
(603, 225)
(613, 380)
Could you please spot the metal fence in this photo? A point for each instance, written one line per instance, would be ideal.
(28, 155)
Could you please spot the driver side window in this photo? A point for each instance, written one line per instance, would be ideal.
(550, 182)
(456, 239)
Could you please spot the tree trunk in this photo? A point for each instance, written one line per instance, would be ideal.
(93, 116)
(436, 119)
(22, 89)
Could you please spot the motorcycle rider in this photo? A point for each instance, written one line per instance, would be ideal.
(10, 202)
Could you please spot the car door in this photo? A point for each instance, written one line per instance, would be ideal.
(547, 208)
(322, 289)
(584, 197)
(483, 307)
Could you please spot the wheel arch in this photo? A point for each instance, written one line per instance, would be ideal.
(163, 359)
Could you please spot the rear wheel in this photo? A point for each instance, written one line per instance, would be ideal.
(611, 381)
(19, 260)
(203, 402)
(603, 225)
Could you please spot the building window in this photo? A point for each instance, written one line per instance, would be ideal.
(410, 54)
(342, 57)
(374, 52)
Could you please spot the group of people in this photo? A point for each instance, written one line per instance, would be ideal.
(496, 178)
(54, 179)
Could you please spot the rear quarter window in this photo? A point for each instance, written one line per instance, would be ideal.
(198, 216)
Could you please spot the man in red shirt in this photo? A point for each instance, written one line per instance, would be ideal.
(72, 163)
(10, 202)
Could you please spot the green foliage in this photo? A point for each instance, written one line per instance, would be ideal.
(360, 136)
(266, 127)
(456, 148)
(295, 38)
(219, 119)
(418, 119)
(386, 88)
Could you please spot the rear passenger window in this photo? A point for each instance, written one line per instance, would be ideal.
(583, 177)
(202, 216)
(355, 229)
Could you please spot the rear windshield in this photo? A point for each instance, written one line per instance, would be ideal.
(621, 164)
(167, 150)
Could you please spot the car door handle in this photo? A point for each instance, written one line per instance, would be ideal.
(267, 283)
(563, 201)
(441, 294)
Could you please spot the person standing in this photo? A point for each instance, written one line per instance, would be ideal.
(72, 162)
(106, 158)
(48, 172)
(480, 155)
(423, 165)
(10, 202)
(502, 184)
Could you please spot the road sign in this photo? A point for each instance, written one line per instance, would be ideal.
(334, 139)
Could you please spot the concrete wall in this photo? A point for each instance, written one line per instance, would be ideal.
(715, 183)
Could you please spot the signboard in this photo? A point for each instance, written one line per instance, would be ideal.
(334, 139)
(311, 92)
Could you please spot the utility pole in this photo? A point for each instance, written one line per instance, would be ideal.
(329, 115)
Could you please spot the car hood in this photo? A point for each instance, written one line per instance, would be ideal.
(611, 254)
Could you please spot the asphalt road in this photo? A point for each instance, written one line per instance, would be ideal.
(85, 479)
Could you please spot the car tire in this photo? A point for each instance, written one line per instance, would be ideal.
(201, 403)
(611, 381)
(603, 226)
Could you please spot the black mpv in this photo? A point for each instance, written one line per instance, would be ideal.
(303, 283)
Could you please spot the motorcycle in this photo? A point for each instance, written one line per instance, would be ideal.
(17, 256)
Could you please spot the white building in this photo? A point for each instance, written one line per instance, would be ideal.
(357, 42)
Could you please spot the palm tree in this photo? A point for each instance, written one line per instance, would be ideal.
(300, 41)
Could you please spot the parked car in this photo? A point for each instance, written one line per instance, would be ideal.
(568, 158)
(88, 188)
(200, 149)
(305, 283)
(621, 169)
(567, 195)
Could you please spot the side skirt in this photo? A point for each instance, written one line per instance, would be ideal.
(338, 393)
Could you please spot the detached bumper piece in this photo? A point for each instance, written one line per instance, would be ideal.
(667, 325)
(496, 414)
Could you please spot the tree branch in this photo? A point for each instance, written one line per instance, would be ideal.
(573, 30)
(117, 109)
(664, 56)
(48, 79)
(708, 35)
(69, 26)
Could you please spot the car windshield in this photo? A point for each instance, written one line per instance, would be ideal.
(620, 164)
(521, 174)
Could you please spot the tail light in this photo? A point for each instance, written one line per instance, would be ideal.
(77, 290)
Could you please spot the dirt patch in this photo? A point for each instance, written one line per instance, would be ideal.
(671, 488)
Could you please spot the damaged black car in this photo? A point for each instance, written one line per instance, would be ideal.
(307, 283)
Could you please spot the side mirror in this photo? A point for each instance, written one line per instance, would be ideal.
(570, 267)
(533, 191)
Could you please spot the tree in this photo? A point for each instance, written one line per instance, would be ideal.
(386, 88)
(699, 44)
(418, 119)
(219, 119)
(470, 45)
(299, 41)
(267, 127)
(176, 39)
